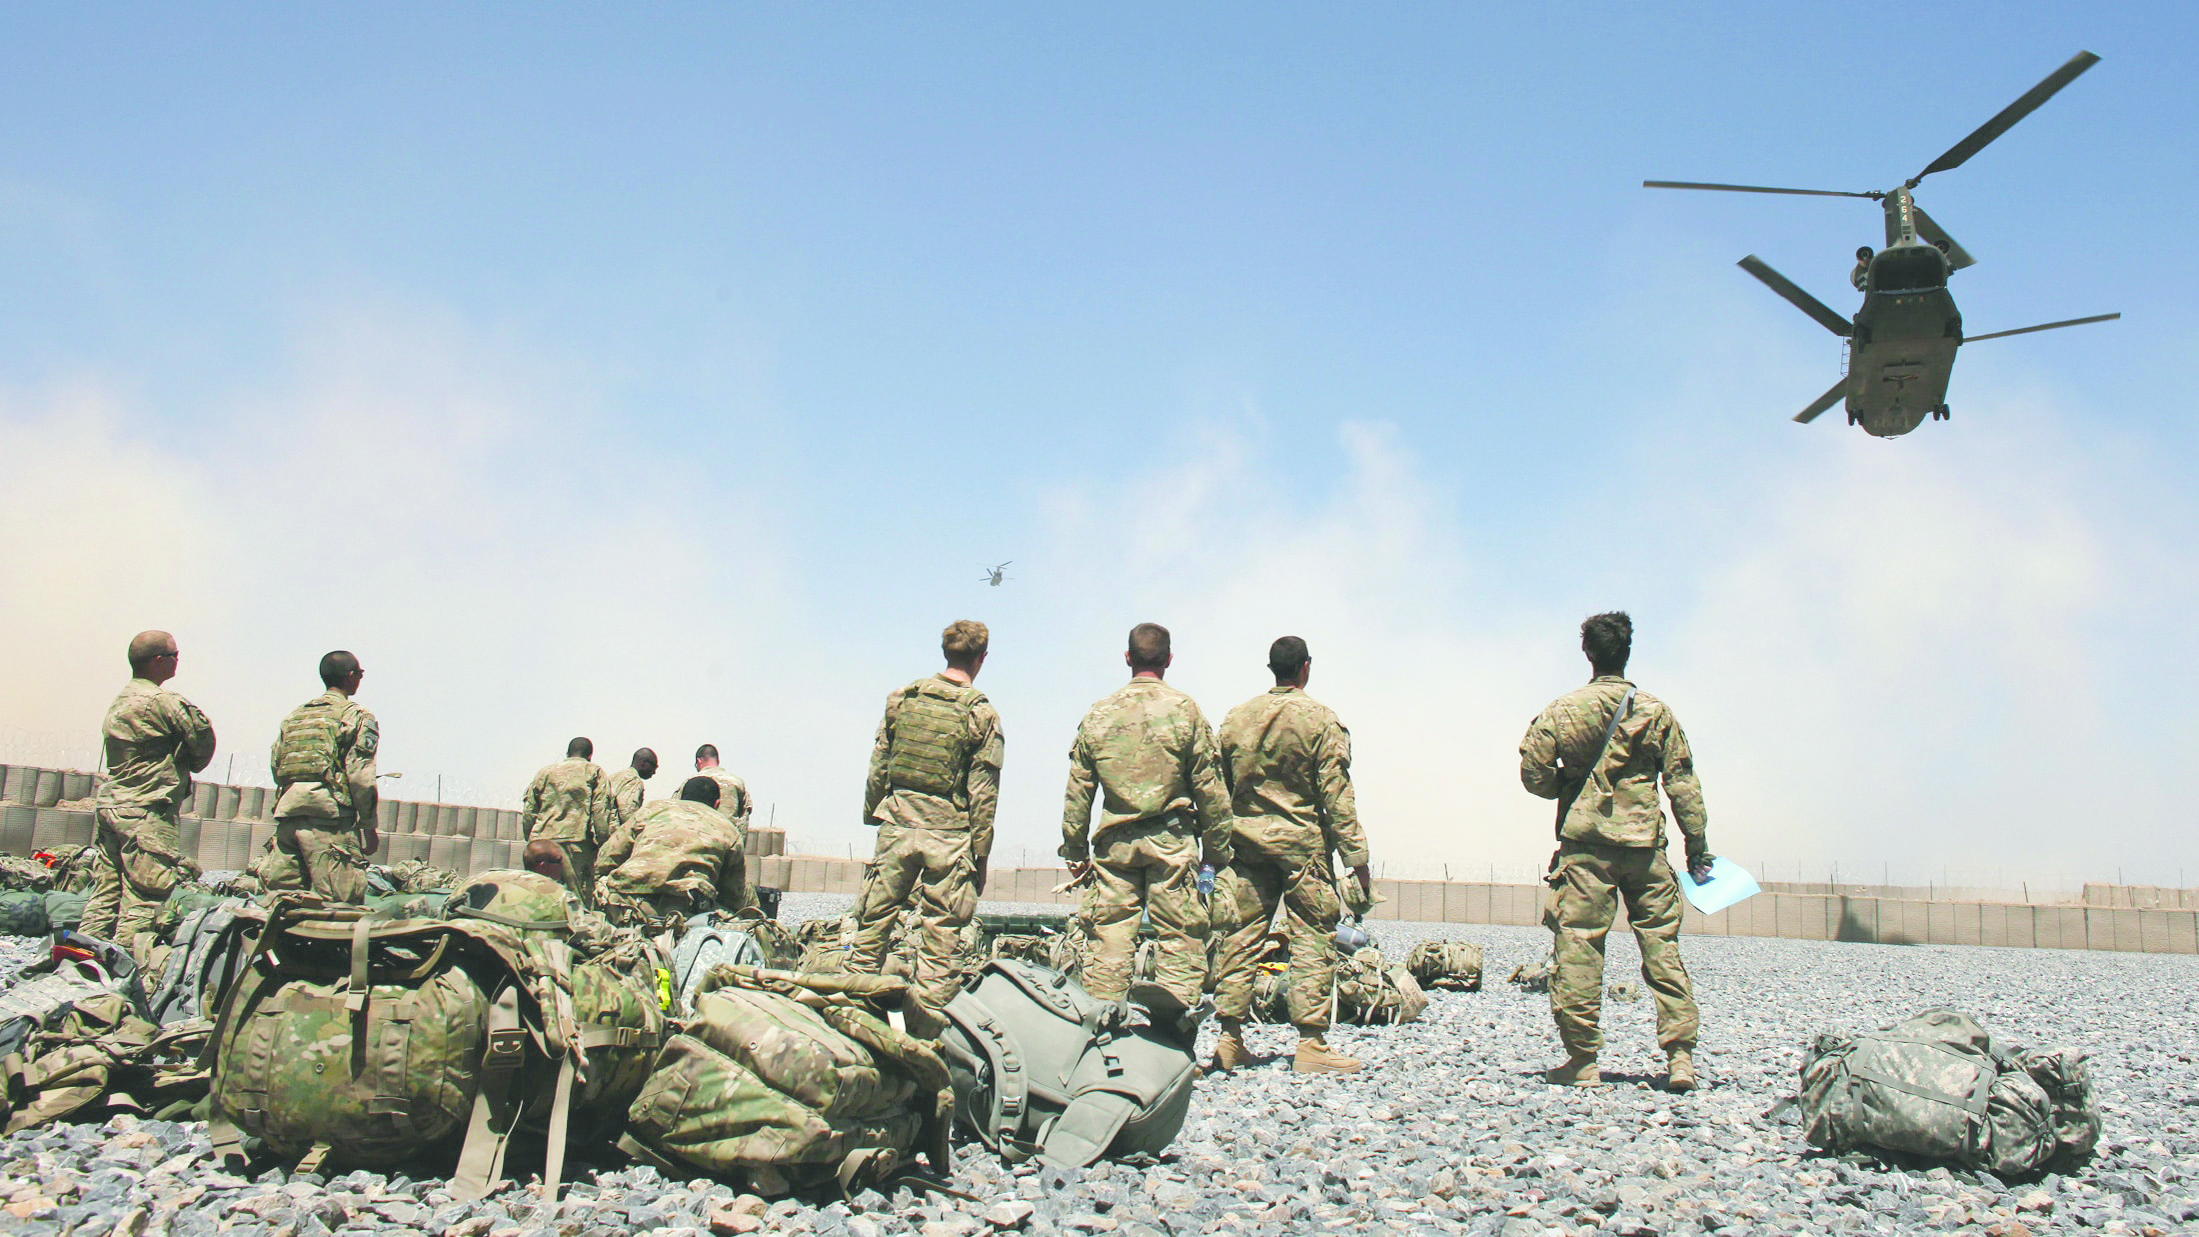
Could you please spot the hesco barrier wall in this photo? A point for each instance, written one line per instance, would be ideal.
(224, 827)
(1801, 916)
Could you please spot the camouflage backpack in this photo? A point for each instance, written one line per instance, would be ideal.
(1936, 1085)
(94, 1048)
(930, 747)
(706, 941)
(18, 872)
(823, 943)
(23, 913)
(1370, 992)
(1534, 976)
(1446, 964)
(781, 1081)
(1043, 1068)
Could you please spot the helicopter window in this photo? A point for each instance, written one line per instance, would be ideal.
(1909, 268)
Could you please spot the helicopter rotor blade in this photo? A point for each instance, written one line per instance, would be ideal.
(1812, 193)
(1961, 151)
(2044, 326)
(1797, 297)
(1929, 229)
(1827, 400)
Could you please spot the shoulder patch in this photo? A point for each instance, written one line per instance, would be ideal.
(370, 734)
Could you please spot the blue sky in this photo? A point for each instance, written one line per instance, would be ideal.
(668, 377)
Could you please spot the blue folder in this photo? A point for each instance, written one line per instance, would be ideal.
(1729, 883)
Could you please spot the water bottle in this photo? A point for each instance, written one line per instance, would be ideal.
(1206, 880)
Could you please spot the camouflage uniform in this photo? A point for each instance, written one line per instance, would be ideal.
(569, 803)
(155, 741)
(674, 859)
(1611, 838)
(1149, 756)
(733, 800)
(323, 761)
(623, 796)
(1287, 762)
(933, 788)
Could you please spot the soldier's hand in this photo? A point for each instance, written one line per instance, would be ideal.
(372, 841)
(980, 875)
(1079, 869)
(1698, 867)
(1365, 877)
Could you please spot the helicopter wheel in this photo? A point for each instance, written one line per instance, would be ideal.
(1940, 413)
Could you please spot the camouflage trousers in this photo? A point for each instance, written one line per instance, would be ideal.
(139, 859)
(937, 869)
(1247, 894)
(650, 912)
(324, 855)
(1582, 906)
(1148, 868)
(580, 868)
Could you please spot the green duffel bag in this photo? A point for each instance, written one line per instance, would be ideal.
(1937, 1086)
(23, 913)
(64, 909)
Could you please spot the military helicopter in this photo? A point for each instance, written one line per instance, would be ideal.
(1902, 342)
(994, 575)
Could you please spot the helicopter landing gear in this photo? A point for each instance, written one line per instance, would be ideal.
(1940, 412)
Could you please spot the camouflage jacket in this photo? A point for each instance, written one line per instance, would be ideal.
(1287, 762)
(1145, 752)
(973, 809)
(1615, 803)
(359, 738)
(623, 796)
(674, 846)
(733, 800)
(567, 802)
(155, 741)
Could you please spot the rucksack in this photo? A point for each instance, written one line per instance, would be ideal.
(306, 748)
(1370, 992)
(1446, 964)
(780, 1084)
(65, 909)
(1937, 1086)
(78, 969)
(91, 1048)
(205, 955)
(1043, 1068)
(23, 913)
(707, 941)
(823, 944)
(930, 747)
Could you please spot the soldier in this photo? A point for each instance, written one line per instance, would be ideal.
(323, 762)
(733, 801)
(1287, 762)
(545, 858)
(676, 858)
(155, 740)
(567, 804)
(1599, 751)
(933, 787)
(1148, 754)
(625, 790)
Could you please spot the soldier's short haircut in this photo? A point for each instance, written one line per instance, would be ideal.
(700, 789)
(1287, 655)
(964, 641)
(336, 667)
(1608, 638)
(544, 858)
(708, 751)
(146, 645)
(1149, 647)
(581, 748)
(644, 754)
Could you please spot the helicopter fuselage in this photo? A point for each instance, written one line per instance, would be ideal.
(1902, 351)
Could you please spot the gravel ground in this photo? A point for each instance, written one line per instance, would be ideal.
(1448, 1130)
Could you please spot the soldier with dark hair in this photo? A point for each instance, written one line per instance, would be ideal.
(1146, 754)
(733, 800)
(323, 763)
(625, 789)
(1287, 762)
(1601, 751)
(569, 803)
(933, 788)
(154, 741)
(676, 858)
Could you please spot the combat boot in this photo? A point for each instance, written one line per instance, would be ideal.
(1315, 1057)
(1230, 1052)
(1680, 1072)
(1579, 1070)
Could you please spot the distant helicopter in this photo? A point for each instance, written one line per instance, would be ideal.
(994, 575)
(1901, 344)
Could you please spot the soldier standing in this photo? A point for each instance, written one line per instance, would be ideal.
(1286, 760)
(1148, 755)
(155, 740)
(1600, 751)
(325, 801)
(676, 858)
(567, 804)
(933, 787)
(625, 790)
(733, 801)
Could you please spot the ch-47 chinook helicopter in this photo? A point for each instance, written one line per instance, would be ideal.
(1901, 344)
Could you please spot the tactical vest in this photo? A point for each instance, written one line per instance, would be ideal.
(931, 746)
(306, 750)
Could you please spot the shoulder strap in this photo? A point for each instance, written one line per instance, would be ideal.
(1610, 728)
